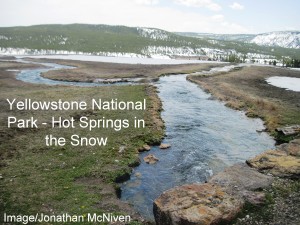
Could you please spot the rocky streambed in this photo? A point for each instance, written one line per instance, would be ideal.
(205, 137)
(225, 195)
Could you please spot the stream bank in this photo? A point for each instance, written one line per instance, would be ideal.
(247, 90)
(83, 178)
(263, 191)
(205, 138)
(267, 187)
(186, 128)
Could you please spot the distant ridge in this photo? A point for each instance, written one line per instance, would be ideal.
(109, 40)
(285, 39)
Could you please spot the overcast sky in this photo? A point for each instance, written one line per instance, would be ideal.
(209, 16)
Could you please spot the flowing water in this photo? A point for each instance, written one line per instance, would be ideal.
(205, 137)
(34, 76)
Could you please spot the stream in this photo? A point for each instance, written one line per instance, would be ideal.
(34, 76)
(205, 137)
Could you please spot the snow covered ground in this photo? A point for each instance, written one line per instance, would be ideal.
(298, 69)
(148, 55)
(289, 83)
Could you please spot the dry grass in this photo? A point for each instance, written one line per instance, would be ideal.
(247, 90)
(89, 71)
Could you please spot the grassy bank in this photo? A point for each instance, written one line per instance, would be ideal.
(246, 89)
(89, 71)
(280, 206)
(74, 180)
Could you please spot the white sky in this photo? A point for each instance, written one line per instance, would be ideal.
(211, 16)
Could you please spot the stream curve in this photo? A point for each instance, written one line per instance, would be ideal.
(205, 137)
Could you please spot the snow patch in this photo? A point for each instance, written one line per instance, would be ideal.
(30, 52)
(2, 37)
(126, 60)
(289, 83)
(171, 51)
(12, 70)
(153, 33)
(298, 69)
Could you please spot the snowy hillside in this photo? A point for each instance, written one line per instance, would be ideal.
(285, 39)
(220, 37)
(106, 40)
(155, 34)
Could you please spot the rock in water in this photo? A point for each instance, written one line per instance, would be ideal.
(164, 146)
(215, 202)
(282, 162)
(144, 148)
(221, 199)
(196, 204)
(150, 159)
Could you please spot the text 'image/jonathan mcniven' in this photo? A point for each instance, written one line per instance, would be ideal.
(141, 112)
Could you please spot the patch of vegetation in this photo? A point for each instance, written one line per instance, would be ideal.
(90, 38)
(279, 206)
(280, 138)
(36, 178)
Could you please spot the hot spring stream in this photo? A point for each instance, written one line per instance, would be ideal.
(205, 137)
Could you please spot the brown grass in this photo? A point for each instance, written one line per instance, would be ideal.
(247, 90)
(89, 71)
